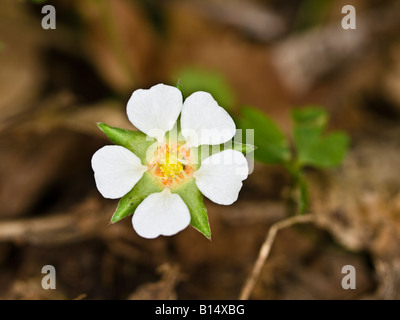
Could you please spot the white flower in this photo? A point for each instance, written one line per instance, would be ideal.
(155, 112)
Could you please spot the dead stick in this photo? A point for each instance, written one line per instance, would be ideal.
(266, 248)
(84, 221)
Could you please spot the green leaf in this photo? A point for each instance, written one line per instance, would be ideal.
(310, 117)
(193, 198)
(135, 141)
(272, 145)
(128, 203)
(194, 79)
(309, 124)
(312, 147)
(305, 137)
(325, 152)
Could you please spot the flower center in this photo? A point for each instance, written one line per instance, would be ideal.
(171, 164)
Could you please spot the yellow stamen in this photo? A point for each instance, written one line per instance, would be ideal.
(171, 164)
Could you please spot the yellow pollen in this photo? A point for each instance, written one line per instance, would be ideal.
(171, 164)
(172, 167)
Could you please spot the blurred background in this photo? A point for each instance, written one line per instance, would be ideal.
(55, 85)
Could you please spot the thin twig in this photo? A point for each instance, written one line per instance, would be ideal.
(56, 229)
(266, 248)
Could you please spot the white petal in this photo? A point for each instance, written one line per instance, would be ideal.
(162, 213)
(116, 171)
(203, 121)
(154, 111)
(220, 176)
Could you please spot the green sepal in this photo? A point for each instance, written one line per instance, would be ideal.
(206, 151)
(243, 148)
(179, 85)
(128, 203)
(193, 198)
(135, 141)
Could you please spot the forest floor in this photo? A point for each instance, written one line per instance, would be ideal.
(55, 85)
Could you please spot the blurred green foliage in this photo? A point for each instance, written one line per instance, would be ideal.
(312, 13)
(311, 146)
(272, 145)
(193, 79)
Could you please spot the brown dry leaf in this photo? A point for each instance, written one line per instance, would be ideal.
(388, 276)
(358, 203)
(163, 289)
(195, 40)
(21, 73)
(85, 220)
(304, 60)
(251, 18)
(61, 112)
(391, 78)
(30, 164)
(31, 289)
(119, 41)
